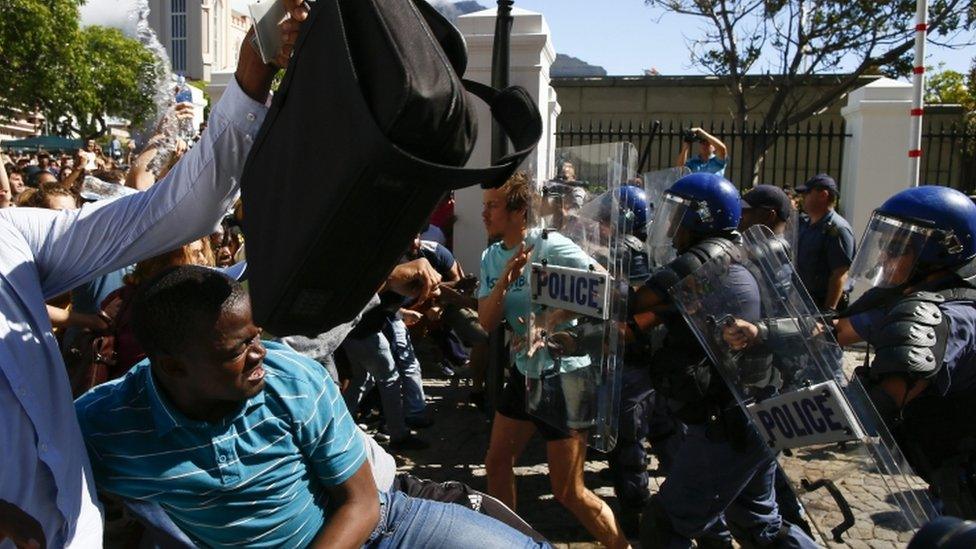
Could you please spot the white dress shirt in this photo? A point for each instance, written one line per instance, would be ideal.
(44, 467)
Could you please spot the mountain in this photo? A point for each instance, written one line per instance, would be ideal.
(568, 66)
(564, 66)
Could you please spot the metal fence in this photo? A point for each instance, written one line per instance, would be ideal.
(949, 156)
(792, 156)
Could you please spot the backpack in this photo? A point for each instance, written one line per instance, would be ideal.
(368, 131)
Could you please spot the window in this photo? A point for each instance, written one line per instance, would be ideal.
(178, 35)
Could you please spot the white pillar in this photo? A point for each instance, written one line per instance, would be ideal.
(218, 83)
(876, 165)
(532, 54)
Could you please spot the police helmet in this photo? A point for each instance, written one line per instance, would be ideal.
(915, 232)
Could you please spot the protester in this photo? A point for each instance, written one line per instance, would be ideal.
(711, 156)
(16, 184)
(504, 294)
(380, 352)
(825, 245)
(223, 430)
(47, 484)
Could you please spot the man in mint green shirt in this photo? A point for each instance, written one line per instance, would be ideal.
(505, 293)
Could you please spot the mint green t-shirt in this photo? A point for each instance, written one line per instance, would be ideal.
(557, 250)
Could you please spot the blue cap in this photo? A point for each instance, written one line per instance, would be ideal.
(819, 181)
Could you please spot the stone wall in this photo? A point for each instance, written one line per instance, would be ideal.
(681, 99)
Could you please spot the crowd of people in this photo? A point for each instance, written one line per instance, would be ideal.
(136, 389)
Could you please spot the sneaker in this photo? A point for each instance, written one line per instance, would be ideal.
(409, 442)
(418, 422)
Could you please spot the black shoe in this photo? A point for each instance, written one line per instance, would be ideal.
(418, 422)
(409, 442)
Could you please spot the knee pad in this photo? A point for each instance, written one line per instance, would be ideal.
(655, 526)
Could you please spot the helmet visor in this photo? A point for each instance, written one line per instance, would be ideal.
(888, 254)
(668, 216)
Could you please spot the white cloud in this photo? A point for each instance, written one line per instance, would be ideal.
(110, 13)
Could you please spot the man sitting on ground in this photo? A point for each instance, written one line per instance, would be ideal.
(246, 445)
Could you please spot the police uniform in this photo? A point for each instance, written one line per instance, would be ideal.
(722, 460)
(922, 327)
(723, 471)
(935, 430)
(823, 247)
(639, 417)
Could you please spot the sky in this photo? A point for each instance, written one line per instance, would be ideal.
(623, 36)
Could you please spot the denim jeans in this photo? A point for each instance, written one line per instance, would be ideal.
(371, 355)
(407, 364)
(411, 522)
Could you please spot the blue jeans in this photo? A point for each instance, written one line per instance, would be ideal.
(407, 364)
(411, 522)
(371, 356)
(710, 477)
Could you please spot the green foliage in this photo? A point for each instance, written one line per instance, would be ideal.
(791, 39)
(947, 86)
(74, 76)
(37, 46)
(110, 79)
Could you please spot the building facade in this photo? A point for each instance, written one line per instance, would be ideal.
(201, 36)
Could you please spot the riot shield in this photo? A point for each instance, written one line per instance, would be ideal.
(802, 397)
(655, 183)
(578, 300)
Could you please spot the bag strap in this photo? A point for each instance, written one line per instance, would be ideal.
(512, 107)
(518, 117)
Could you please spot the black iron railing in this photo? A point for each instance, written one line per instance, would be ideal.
(755, 153)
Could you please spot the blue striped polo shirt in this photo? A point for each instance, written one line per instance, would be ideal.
(256, 478)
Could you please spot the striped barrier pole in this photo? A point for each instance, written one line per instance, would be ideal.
(918, 96)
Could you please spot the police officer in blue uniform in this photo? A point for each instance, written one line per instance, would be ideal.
(918, 256)
(722, 467)
(637, 420)
(825, 246)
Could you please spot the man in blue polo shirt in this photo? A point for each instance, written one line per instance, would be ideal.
(711, 156)
(243, 444)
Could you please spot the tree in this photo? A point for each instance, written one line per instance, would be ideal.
(37, 38)
(789, 41)
(947, 86)
(111, 76)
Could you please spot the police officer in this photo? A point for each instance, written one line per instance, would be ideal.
(629, 460)
(825, 246)
(722, 466)
(919, 255)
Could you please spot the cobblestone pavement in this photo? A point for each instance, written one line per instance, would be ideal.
(459, 439)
